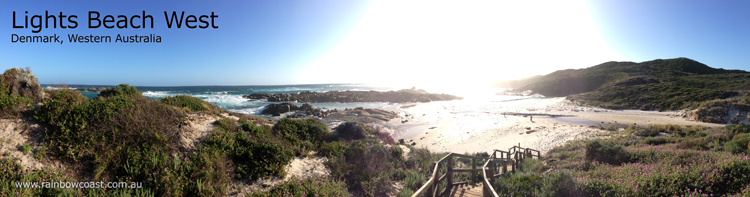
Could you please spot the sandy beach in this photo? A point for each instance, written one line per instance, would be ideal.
(468, 127)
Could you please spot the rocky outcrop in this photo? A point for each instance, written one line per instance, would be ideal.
(722, 114)
(358, 114)
(277, 109)
(363, 115)
(99, 89)
(401, 96)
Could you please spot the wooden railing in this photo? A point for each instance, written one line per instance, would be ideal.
(490, 167)
(511, 158)
(431, 187)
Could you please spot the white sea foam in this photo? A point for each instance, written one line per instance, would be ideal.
(156, 94)
(249, 110)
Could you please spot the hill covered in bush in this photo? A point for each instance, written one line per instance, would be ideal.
(670, 84)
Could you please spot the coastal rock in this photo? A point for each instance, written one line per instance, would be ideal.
(363, 115)
(401, 96)
(277, 109)
(99, 89)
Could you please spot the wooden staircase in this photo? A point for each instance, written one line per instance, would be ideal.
(441, 181)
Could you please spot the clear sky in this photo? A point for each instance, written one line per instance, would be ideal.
(427, 43)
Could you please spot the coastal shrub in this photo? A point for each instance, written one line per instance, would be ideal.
(333, 149)
(260, 132)
(12, 172)
(191, 103)
(397, 153)
(645, 132)
(368, 159)
(414, 180)
(351, 131)
(560, 183)
(311, 130)
(366, 165)
(405, 192)
(122, 89)
(129, 138)
(739, 143)
(737, 128)
(657, 140)
(253, 157)
(60, 102)
(611, 128)
(603, 151)
(227, 124)
(398, 174)
(26, 149)
(518, 184)
(312, 186)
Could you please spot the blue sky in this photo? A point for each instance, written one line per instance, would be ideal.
(382, 42)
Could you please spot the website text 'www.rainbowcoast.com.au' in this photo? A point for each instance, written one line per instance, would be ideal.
(84, 185)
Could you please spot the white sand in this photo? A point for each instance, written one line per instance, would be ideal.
(17, 132)
(481, 127)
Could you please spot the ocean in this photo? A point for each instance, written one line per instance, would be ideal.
(230, 97)
(475, 113)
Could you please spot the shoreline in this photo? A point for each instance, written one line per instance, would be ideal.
(441, 127)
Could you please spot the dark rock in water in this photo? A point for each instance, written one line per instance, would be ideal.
(401, 141)
(99, 89)
(279, 108)
(413, 143)
(401, 96)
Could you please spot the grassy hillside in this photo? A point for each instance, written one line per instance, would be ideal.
(653, 85)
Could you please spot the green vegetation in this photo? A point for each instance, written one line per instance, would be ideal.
(254, 156)
(122, 89)
(26, 149)
(191, 103)
(670, 84)
(691, 161)
(314, 186)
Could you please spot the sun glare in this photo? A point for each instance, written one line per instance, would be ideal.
(455, 44)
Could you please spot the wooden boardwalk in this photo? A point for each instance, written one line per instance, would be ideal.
(441, 181)
(466, 190)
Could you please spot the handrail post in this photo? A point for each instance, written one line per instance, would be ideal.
(431, 190)
(492, 172)
(515, 162)
(450, 171)
(474, 166)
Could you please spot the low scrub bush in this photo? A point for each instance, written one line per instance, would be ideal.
(645, 132)
(123, 137)
(191, 103)
(295, 131)
(657, 140)
(405, 192)
(254, 157)
(333, 149)
(560, 183)
(122, 89)
(260, 132)
(603, 151)
(414, 180)
(313, 186)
